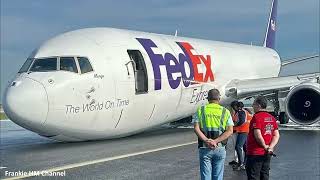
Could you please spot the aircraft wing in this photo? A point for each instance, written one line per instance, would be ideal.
(247, 88)
(295, 97)
(252, 87)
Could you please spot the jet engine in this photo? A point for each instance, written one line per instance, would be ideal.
(303, 103)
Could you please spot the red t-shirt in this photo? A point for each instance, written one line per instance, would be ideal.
(267, 124)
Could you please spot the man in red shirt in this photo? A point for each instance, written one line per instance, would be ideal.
(262, 138)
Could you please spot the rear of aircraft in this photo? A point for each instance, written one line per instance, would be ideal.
(269, 40)
(302, 102)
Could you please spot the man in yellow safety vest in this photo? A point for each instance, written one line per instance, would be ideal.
(213, 125)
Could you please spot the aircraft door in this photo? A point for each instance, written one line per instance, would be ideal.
(140, 71)
(133, 102)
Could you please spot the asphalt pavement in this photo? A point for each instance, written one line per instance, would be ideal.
(162, 153)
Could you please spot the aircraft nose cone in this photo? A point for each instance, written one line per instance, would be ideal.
(26, 103)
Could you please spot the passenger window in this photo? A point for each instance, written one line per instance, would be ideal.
(47, 64)
(85, 65)
(68, 64)
(26, 65)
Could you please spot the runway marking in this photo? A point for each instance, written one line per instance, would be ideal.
(299, 129)
(314, 127)
(3, 167)
(86, 163)
(4, 120)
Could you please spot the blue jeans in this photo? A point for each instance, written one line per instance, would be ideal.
(241, 141)
(212, 163)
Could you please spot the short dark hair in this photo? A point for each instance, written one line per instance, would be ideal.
(262, 101)
(213, 94)
(234, 104)
(240, 104)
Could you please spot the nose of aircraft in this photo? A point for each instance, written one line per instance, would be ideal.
(26, 103)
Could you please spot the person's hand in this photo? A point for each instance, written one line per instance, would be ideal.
(208, 142)
(214, 143)
(270, 150)
(211, 143)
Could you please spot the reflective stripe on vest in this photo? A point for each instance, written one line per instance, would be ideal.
(203, 119)
(213, 121)
(212, 118)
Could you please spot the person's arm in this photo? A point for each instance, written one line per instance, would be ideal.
(225, 135)
(199, 133)
(197, 130)
(202, 136)
(275, 139)
(259, 138)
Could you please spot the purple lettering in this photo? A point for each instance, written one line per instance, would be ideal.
(156, 60)
(174, 83)
(185, 78)
(186, 61)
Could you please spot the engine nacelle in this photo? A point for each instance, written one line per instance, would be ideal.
(303, 103)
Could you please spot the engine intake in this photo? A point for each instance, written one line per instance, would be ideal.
(303, 103)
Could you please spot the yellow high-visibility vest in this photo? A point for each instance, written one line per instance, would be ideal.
(213, 117)
(213, 121)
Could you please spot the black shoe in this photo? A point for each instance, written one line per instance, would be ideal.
(233, 162)
(239, 167)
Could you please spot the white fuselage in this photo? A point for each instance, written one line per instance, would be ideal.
(104, 103)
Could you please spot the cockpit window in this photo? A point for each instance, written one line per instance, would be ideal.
(85, 65)
(68, 64)
(26, 65)
(46, 64)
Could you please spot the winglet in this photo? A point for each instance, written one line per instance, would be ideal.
(269, 40)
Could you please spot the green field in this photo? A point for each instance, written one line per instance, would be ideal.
(3, 116)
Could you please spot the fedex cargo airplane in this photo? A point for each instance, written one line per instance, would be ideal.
(102, 83)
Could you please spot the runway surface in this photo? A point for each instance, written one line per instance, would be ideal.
(161, 153)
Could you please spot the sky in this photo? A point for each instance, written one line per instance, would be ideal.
(26, 24)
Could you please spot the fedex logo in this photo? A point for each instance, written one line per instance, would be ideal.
(273, 25)
(174, 65)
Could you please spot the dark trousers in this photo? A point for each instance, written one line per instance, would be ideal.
(257, 167)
